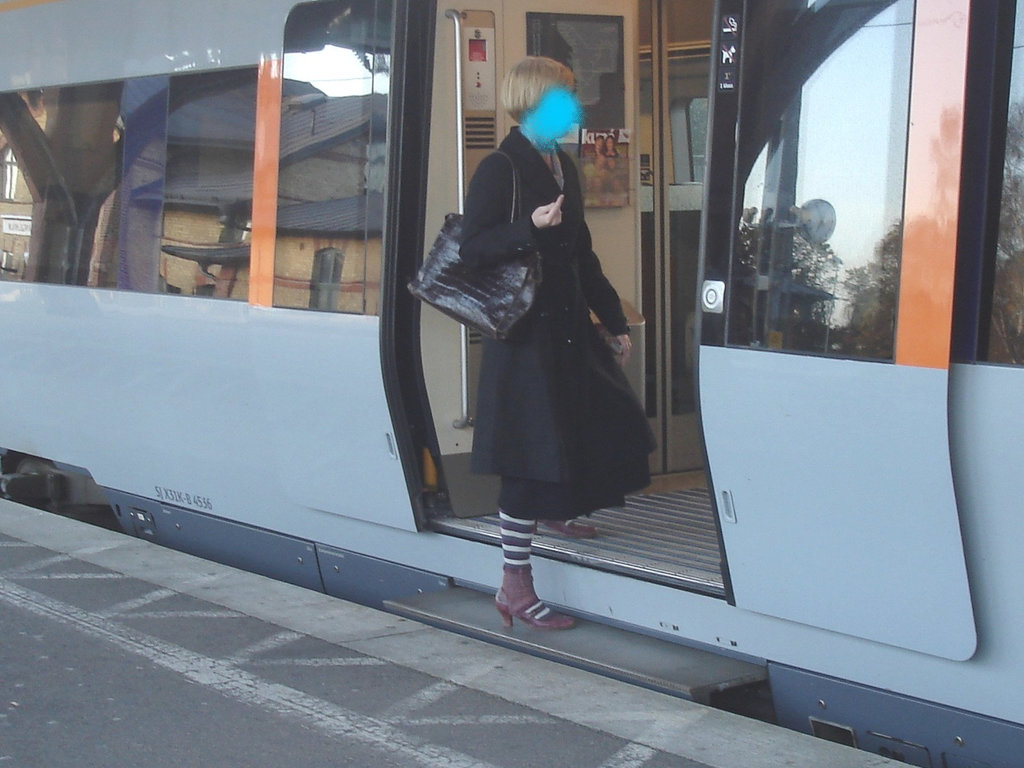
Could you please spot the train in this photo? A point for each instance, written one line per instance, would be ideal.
(210, 213)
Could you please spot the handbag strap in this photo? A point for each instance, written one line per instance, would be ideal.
(516, 202)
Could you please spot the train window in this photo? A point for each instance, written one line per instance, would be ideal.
(688, 115)
(15, 216)
(204, 148)
(60, 187)
(8, 174)
(142, 185)
(333, 149)
(822, 138)
(1006, 323)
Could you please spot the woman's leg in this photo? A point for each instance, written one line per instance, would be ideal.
(516, 597)
(516, 538)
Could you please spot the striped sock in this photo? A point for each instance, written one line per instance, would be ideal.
(516, 536)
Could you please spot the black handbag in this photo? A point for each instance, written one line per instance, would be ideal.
(490, 300)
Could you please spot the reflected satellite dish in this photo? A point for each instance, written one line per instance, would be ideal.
(815, 221)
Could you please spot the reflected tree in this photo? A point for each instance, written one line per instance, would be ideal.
(816, 268)
(1006, 343)
(784, 286)
(871, 291)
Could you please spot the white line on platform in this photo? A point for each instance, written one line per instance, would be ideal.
(630, 756)
(481, 720)
(45, 562)
(344, 661)
(70, 576)
(132, 605)
(421, 699)
(214, 614)
(275, 641)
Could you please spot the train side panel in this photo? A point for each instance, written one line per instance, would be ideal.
(217, 407)
(82, 42)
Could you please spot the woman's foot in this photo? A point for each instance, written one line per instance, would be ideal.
(516, 597)
(574, 529)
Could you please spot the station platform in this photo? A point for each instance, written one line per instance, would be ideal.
(119, 652)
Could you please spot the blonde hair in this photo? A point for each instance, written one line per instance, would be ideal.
(528, 81)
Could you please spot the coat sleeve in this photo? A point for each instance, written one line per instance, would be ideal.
(488, 235)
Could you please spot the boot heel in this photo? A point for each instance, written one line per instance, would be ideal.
(506, 615)
(516, 597)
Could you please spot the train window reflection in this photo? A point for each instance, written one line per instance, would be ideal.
(141, 185)
(333, 149)
(1006, 323)
(8, 173)
(61, 158)
(821, 156)
(15, 216)
(205, 151)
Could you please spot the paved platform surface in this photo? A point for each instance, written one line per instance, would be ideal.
(117, 652)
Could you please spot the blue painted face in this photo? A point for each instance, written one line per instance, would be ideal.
(557, 112)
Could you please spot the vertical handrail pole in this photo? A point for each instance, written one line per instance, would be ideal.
(460, 145)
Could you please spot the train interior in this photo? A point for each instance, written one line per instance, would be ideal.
(642, 72)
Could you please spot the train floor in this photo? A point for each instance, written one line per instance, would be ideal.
(120, 652)
(666, 534)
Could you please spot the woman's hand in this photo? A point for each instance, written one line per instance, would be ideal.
(549, 215)
(625, 347)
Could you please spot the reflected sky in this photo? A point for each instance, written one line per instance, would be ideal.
(865, 187)
(856, 116)
(335, 71)
(1017, 78)
(852, 138)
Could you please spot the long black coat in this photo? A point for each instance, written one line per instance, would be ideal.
(552, 403)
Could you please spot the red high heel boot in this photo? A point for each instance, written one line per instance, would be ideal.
(517, 598)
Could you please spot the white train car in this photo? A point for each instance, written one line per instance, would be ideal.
(210, 212)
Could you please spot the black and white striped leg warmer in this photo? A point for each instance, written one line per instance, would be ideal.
(516, 536)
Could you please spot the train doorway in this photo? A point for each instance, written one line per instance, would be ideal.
(643, 74)
(673, 67)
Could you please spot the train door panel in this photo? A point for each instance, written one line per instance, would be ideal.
(828, 272)
(467, 124)
(673, 75)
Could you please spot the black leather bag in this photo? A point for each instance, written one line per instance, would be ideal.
(490, 300)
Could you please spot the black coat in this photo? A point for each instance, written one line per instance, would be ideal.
(552, 404)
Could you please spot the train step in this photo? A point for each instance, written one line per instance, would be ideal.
(678, 670)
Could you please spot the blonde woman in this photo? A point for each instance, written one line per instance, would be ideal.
(555, 416)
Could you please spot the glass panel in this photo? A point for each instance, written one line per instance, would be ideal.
(60, 159)
(1006, 331)
(330, 220)
(142, 185)
(820, 166)
(144, 105)
(15, 216)
(8, 173)
(688, 118)
(207, 168)
(688, 87)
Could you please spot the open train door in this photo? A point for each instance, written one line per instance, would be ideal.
(828, 257)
